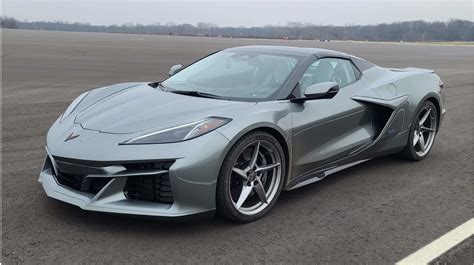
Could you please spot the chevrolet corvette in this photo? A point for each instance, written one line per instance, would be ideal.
(231, 131)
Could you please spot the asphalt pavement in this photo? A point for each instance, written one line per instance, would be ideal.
(374, 213)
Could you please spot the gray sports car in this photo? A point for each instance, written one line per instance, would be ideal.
(229, 132)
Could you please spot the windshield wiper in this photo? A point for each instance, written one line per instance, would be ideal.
(195, 93)
(158, 85)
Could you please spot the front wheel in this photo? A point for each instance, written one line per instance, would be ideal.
(251, 177)
(422, 132)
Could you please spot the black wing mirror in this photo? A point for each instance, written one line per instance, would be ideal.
(174, 69)
(323, 90)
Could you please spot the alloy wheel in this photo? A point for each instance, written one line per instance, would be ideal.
(425, 131)
(255, 177)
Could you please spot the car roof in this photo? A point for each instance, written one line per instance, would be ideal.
(298, 51)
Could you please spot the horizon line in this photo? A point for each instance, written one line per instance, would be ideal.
(215, 25)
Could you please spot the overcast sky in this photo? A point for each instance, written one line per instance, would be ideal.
(238, 13)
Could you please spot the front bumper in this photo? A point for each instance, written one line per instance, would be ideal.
(116, 202)
(192, 176)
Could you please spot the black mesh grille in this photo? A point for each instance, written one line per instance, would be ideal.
(155, 188)
(71, 180)
(80, 183)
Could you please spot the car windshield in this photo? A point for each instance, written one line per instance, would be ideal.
(239, 75)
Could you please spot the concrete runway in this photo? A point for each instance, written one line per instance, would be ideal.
(377, 212)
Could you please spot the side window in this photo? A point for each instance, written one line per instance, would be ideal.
(328, 70)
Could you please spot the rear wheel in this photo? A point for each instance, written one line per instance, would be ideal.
(422, 132)
(251, 178)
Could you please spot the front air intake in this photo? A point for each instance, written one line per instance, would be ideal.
(154, 188)
(81, 183)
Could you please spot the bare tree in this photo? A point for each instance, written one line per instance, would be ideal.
(453, 30)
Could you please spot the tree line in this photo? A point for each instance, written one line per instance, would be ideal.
(419, 31)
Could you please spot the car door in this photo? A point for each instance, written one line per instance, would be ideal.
(325, 130)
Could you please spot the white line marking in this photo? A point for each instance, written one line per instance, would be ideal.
(438, 247)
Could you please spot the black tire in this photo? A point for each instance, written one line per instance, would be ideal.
(224, 204)
(409, 152)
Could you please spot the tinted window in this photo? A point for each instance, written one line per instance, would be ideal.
(328, 70)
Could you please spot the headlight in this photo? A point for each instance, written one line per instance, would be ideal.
(73, 105)
(180, 133)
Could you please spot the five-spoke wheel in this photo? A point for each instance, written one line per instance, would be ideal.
(423, 132)
(251, 177)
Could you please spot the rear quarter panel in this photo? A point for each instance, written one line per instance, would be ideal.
(418, 85)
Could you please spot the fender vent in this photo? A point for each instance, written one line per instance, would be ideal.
(380, 118)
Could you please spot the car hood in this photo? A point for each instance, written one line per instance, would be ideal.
(142, 107)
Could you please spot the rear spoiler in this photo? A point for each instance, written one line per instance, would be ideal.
(411, 69)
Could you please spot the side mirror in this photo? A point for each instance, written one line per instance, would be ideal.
(323, 90)
(174, 69)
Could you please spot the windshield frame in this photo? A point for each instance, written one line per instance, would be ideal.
(274, 96)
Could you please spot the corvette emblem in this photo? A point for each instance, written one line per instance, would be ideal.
(71, 136)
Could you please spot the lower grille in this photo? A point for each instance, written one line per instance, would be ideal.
(71, 180)
(139, 185)
(81, 183)
(155, 188)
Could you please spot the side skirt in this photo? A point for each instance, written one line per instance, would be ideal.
(319, 175)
